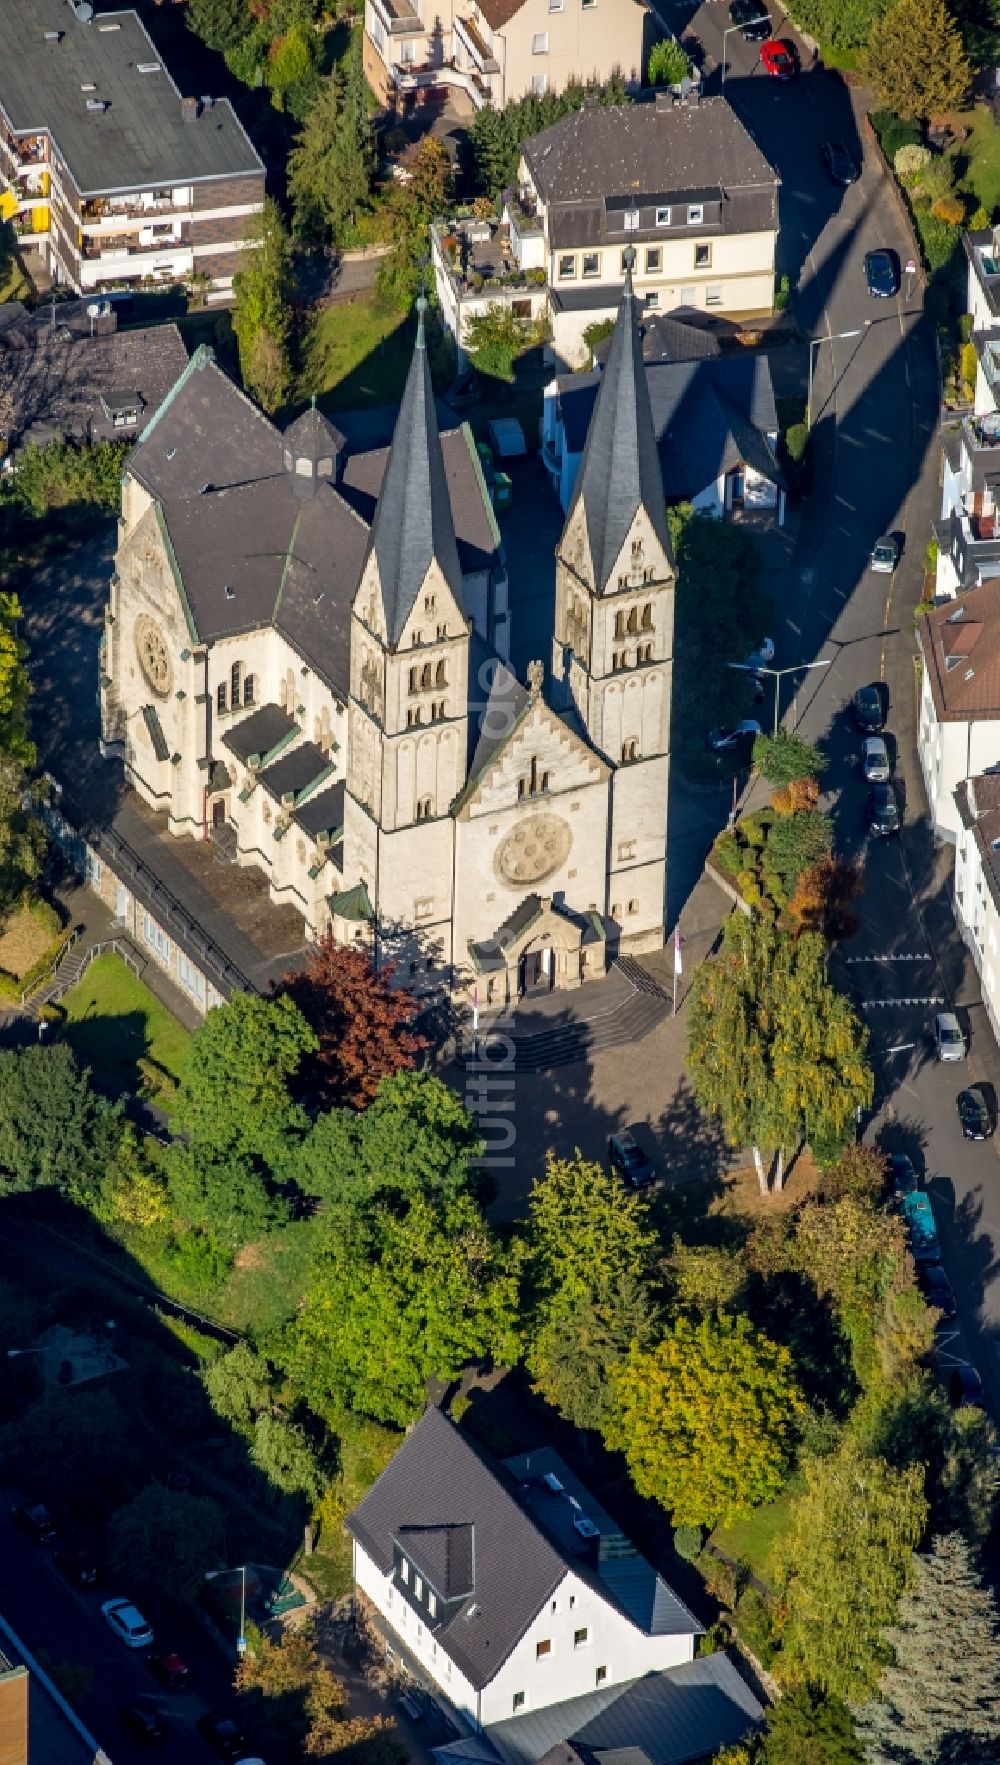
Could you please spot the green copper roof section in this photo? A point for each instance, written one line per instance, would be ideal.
(352, 904)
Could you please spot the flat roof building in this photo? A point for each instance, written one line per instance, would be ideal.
(106, 170)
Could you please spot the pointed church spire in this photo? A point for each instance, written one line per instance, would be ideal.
(413, 525)
(620, 469)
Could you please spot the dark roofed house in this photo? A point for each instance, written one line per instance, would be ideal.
(716, 428)
(67, 374)
(506, 1586)
(959, 730)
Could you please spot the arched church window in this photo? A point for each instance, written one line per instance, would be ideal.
(250, 690)
(619, 624)
(220, 696)
(441, 674)
(235, 679)
(633, 619)
(647, 616)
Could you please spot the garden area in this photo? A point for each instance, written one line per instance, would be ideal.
(132, 1044)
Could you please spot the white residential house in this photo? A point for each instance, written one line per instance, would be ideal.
(714, 416)
(959, 732)
(678, 179)
(969, 530)
(977, 882)
(506, 1587)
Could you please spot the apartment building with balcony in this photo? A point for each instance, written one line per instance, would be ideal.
(968, 532)
(496, 51)
(678, 179)
(112, 179)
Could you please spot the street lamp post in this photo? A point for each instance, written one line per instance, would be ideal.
(777, 675)
(814, 343)
(215, 1575)
(764, 17)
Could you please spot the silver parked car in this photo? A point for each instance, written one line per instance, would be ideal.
(875, 760)
(949, 1042)
(885, 555)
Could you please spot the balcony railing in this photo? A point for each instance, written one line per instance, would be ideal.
(102, 210)
(981, 432)
(125, 245)
(399, 18)
(476, 45)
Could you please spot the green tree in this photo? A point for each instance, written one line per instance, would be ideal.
(497, 134)
(939, 1697)
(234, 1098)
(415, 1138)
(219, 23)
(290, 63)
(229, 1198)
(796, 843)
(287, 1456)
(133, 1191)
(722, 613)
(496, 337)
(70, 1443)
(410, 207)
(398, 1296)
(807, 1728)
(53, 1128)
(705, 1278)
(668, 63)
(238, 1384)
(860, 1172)
(774, 1050)
(165, 1540)
(313, 166)
(355, 141)
(707, 1419)
(915, 59)
(843, 1564)
(261, 317)
(784, 758)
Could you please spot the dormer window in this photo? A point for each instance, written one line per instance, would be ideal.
(418, 1587)
(404, 1570)
(432, 1604)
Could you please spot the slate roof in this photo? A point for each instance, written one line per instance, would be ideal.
(56, 381)
(413, 525)
(649, 154)
(669, 337)
(684, 1714)
(620, 469)
(296, 770)
(142, 139)
(444, 1554)
(250, 551)
(707, 416)
(440, 1478)
(322, 813)
(960, 642)
(257, 734)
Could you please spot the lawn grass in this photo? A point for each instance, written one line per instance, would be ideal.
(979, 156)
(114, 1021)
(751, 1541)
(24, 939)
(356, 354)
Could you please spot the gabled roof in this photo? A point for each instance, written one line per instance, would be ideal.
(961, 649)
(683, 1714)
(708, 416)
(413, 525)
(620, 470)
(440, 1479)
(445, 1555)
(670, 337)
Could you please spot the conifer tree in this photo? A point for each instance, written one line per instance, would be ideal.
(939, 1700)
(915, 59)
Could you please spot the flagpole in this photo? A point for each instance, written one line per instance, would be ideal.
(678, 967)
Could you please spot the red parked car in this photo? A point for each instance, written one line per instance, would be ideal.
(779, 59)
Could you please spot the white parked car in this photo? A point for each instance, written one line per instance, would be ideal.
(949, 1042)
(875, 760)
(128, 1623)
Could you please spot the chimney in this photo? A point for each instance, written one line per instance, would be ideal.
(190, 109)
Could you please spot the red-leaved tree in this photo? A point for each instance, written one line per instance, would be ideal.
(362, 1023)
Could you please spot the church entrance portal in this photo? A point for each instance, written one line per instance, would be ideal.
(537, 970)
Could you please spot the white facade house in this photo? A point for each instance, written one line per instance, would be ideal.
(678, 179)
(969, 529)
(977, 882)
(506, 1586)
(715, 420)
(959, 731)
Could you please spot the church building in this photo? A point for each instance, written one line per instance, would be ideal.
(305, 659)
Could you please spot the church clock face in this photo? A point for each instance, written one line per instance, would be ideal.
(152, 654)
(533, 850)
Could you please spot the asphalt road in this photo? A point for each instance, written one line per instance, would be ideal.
(50, 1615)
(876, 409)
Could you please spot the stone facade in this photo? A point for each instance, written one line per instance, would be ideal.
(398, 784)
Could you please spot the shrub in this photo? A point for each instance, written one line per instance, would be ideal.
(969, 365)
(931, 554)
(937, 178)
(966, 323)
(910, 160)
(978, 220)
(782, 294)
(687, 1542)
(727, 854)
(668, 63)
(753, 830)
(796, 442)
(893, 132)
(938, 239)
(950, 209)
(755, 1625)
